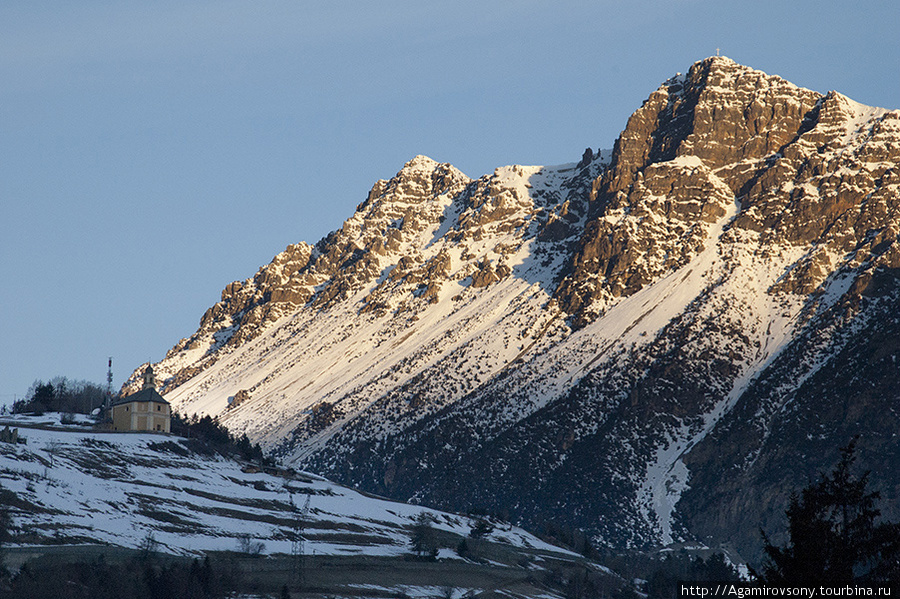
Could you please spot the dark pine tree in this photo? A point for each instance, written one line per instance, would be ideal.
(834, 533)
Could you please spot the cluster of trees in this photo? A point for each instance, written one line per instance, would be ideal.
(667, 576)
(60, 394)
(586, 582)
(136, 579)
(212, 437)
(425, 543)
(569, 537)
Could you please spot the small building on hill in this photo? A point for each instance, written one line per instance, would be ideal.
(145, 410)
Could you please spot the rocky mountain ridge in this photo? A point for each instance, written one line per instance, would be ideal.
(595, 343)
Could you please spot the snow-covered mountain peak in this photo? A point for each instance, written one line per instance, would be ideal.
(419, 178)
(568, 340)
(419, 162)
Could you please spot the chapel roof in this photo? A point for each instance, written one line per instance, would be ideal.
(142, 396)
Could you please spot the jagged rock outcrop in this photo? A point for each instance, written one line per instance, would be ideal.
(626, 344)
(691, 148)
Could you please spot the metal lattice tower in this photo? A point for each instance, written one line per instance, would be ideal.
(297, 541)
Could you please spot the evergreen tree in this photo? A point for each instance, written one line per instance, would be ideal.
(43, 397)
(833, 534)
(423, 536)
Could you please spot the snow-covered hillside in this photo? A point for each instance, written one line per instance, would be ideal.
(75, 485)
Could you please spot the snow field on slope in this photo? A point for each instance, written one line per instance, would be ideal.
(770, 321)
(122, 489)
(767, 320)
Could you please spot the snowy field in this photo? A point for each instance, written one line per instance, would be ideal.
(130, 490)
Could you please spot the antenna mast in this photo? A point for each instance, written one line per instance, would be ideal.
(109, 379)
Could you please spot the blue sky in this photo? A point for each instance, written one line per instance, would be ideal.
(151, 153)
